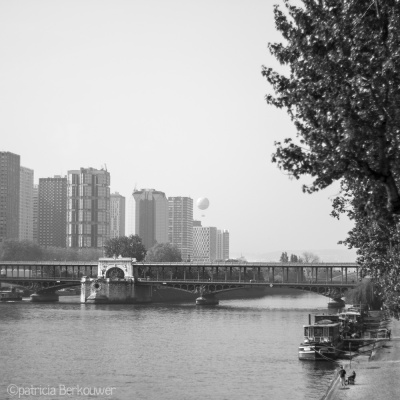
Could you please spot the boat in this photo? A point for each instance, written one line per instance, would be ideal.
(10, 295)
(322, 340)
(206, 301)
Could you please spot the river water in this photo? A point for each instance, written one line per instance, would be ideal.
(240, 349)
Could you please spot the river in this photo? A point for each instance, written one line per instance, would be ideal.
(240, 349)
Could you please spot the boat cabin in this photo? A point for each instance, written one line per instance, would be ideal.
(325, 331)
(353, 316)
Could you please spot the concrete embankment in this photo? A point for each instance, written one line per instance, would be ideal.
(377, 372)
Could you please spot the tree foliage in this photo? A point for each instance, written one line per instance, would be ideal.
(343, 95)
(309, 257)
(363, 293)
(376, 235)
(284, 257)
(25, 250)
(125, 246)
(164, 252)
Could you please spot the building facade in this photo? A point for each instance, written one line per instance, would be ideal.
(204, 244)
(9, 195)
(222, 245)
(130, 216)
(36, 213)
(25, 204)
(117, 215)
(52, 211)
(180, 225)
(88, 208)
(151, 216)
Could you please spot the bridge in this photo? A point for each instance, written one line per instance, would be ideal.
(328, 279)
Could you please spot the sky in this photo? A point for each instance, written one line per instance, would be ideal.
(166, 94)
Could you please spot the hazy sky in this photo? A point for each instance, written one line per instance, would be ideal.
(168, 95)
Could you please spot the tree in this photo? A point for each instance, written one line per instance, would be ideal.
(363, 293)
(284, 257)
(164, 252)
(377, 239)
(25, 250)
(126, 247)
(342, 94)
(309, 257)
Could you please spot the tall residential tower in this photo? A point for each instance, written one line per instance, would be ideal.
(117, 215)
(180, 225)
(88, 208)
(52, 211)
(26, 204)
(9, 195)
(151, 216)
(222, 244)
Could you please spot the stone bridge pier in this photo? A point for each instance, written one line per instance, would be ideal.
(116, 282)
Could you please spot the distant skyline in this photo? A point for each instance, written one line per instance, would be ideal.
(167, 95)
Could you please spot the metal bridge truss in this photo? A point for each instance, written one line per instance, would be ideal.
(327, 279)
(334, 291)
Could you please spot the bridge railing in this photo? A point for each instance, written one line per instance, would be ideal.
(47, 271)
(251, 281)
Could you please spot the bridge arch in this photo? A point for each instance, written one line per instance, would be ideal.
(115, 273)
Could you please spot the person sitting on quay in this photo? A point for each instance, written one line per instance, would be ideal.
(351, 378)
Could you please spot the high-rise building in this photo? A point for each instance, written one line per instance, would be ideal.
(130, 216)
(180, 225)
(151, 216)
(25, 204)
(222, 244)
(52, 211)
(117, 215)
(9, 195)
(204, 244)
(88, 208)
(35, 213)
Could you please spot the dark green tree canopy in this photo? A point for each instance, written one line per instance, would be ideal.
(342, 93)
(164, 252)
(126, 247)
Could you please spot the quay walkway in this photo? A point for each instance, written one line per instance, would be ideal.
(377, 376)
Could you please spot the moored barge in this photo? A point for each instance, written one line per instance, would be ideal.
(322, 340)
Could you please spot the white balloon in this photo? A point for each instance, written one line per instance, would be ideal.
(203, 203)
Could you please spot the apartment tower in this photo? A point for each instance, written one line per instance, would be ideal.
(9, 195)
(204, 244)
(36, 213)
(52, 211)
(25, 204)
(180, 225)
(151, 216)
(88, 208)
(222, 245)
(117, 215)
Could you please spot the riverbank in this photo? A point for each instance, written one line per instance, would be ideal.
(377, 375)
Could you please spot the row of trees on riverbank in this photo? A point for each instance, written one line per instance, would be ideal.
(125, 246)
